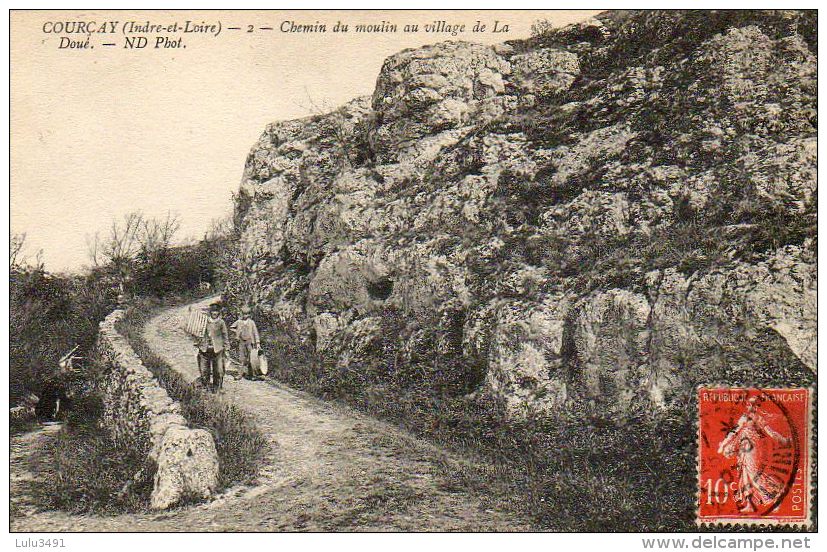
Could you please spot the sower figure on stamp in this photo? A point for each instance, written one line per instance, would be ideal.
(213, 342)
(248, 343)
(757, 486)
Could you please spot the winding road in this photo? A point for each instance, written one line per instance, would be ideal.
(329, 468)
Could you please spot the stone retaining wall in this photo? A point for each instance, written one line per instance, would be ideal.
(139, 414)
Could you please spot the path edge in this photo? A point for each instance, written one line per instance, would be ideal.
(139, 413)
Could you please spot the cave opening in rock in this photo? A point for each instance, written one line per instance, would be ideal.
(380, 289)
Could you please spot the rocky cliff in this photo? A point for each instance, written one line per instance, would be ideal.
(614, 211)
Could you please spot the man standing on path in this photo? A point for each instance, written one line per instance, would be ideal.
(213, 342)
(248, 342)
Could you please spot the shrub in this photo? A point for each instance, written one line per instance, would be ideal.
(48, 315)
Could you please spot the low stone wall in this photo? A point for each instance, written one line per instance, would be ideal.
(139, 414)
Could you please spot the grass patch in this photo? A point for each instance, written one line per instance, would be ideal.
(82, 470)
(240, 446)
(578, 470)
(21, 425)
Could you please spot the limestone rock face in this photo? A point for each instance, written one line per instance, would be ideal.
(187, 467)
(433, 89)
(545, 71)
(784, 297)
(602, 214)
(525, 362)
(613, 212)
(287, 158)
(610, 335)
(625, 343)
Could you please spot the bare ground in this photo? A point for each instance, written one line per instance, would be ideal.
(329, 469)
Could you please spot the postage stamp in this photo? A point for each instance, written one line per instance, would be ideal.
(754, 456)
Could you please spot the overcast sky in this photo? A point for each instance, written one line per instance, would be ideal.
(99, 133)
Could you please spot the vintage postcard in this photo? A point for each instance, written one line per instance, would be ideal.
(414, 271)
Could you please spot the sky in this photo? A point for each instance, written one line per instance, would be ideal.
(98, 133)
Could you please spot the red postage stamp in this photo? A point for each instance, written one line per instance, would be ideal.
(754, 455)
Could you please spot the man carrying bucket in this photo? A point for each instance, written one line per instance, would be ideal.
(248, 343)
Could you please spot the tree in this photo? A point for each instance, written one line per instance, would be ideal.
(540, 27)
(117, 250)
(93, 249)
(155, 235)
(16, 244)
(132, 243)
(157, 270)
(18, 259)
(220, 229)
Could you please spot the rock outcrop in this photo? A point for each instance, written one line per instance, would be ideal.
(140, 415)
(614, 211)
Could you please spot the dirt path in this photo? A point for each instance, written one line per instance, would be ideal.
(24, 468)
(329, 469)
